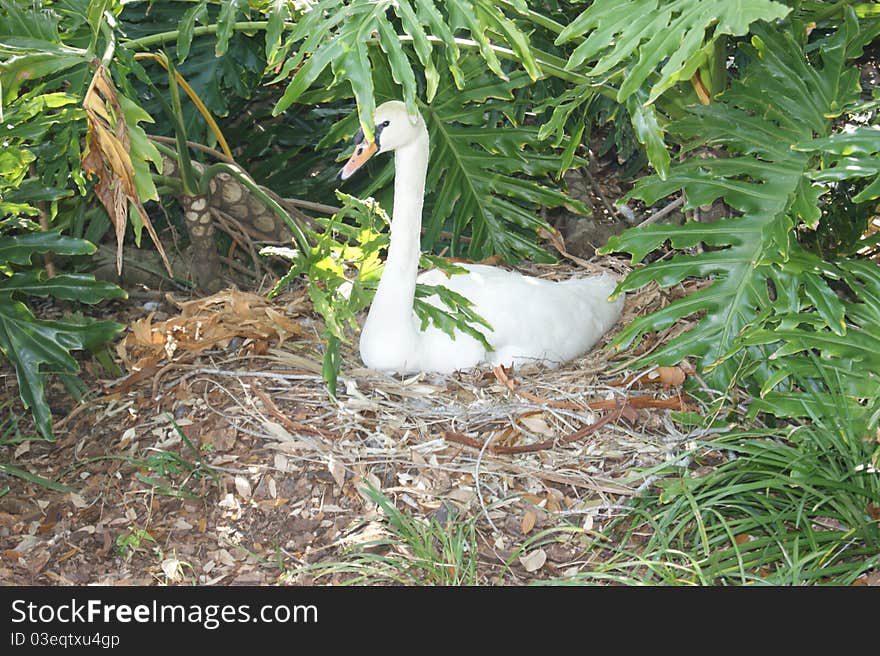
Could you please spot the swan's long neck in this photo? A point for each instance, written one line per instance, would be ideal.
(392, 306)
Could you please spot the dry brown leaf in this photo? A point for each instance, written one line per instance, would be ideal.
(536, 425)
(203, 324)
(554, 500)
(243, 487)
(107, 158)
(671, 376)
(528, 521)
(666, 376)
(337, 470)
(534, 561)
(36, 563)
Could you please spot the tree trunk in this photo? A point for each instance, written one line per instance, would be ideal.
(205, 261)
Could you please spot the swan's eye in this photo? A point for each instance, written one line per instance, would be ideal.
(385, 124)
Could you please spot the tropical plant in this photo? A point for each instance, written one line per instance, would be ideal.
(71, 133)
(769, 296)
(34, 174)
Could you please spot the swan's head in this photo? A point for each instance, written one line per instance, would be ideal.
(395, 128)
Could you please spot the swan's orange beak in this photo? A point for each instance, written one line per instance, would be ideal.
(363, 151)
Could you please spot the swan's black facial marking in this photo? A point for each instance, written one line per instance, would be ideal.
(363, 150)
(359, 135)
(379, 128)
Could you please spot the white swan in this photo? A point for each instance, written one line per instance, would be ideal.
(533, 320)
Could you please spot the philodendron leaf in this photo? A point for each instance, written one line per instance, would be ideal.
(476, 181)
(229, 10)
(198, 12)
(335, 33)
(756, 267)
(854, 154)
(68, 286)
(640, 36)
(36, 347)
(20, 249)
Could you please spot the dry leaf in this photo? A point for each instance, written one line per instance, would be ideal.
(337, 470)
(243, 487)
(588, 523)
(172, 569)
(528, 521)
(537, 426)
(107, 158)
(671, 376)
(462, 494)
(205, 323)
(534, 561)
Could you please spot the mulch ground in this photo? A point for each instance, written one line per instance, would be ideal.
(220, 459)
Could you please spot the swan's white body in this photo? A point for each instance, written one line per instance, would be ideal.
(532, 320)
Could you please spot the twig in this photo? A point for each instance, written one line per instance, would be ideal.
(309, 205)
(580, 434)
(638, 402)
(216, 154)
(574, 437)
(461, 438)
(485, 510)
(293, 426)
(678, 202)
(238, 234)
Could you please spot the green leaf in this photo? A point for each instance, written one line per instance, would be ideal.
(31, 343)
(853, 154)
(330, 364)
(14, 163)
(229, 10)
(279, 13)
(458, 317)
(649, 133)
(68, 286)
(636, 36)
(141, 149)
(19, 249)
(476, 181)
(18, 472)
(15, 20)
(782, 100)
(337, 32)
(493, 17)
(24, 62)
(196, 13)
